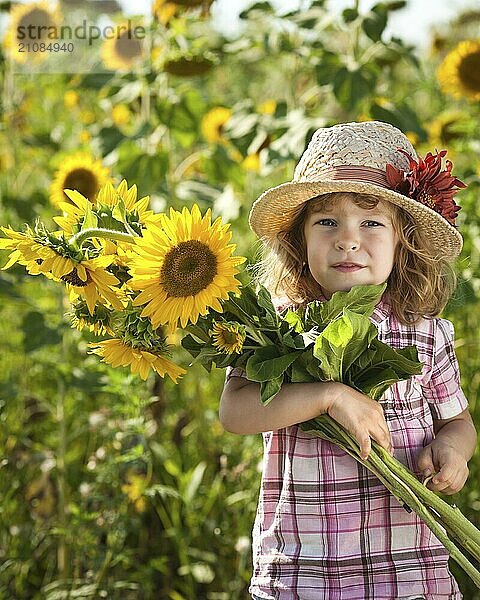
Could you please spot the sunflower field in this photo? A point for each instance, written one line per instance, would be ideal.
(119, 482)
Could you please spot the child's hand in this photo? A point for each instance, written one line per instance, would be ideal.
(361, 416)
(447, 462)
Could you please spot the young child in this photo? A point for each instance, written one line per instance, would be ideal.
(326, 528)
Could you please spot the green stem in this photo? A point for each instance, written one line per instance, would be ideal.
(63, 549)
(99, 232)
(465, 532)
(255, 333)
(426, 515)
(397, 479)
(451, 517)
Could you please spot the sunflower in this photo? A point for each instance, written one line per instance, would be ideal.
(267, 107)
(100, 323)
(80, 172)
(41, 496)
(213, 123)
(188, 3)
(228, 337)
(189, 64)
(110, 196)
(164, 11)
(183, 266)
(6, 158)
(70, 98)
(86, 278)
(442, 131)
(29, 24)
(90, 280)
(36, 257)
(84, 137)
(122, 52)
(117, 352)
(121, 115)
(107, 211)
(459, 73)
(134, 489)
(252, 162)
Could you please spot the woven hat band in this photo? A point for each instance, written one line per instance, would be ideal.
(352, 172)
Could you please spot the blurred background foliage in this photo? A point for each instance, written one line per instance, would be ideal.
(113, 488)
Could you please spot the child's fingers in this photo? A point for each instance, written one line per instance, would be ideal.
(450, 479)
(382, 436)
(425, 461)
(365, 445)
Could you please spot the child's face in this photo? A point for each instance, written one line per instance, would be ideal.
(350, 234)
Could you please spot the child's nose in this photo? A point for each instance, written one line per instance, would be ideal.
(347, 243)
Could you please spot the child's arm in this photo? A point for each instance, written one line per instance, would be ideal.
(447, 455)
(241, 411)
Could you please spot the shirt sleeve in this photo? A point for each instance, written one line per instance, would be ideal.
(235, 372)
(443, 392)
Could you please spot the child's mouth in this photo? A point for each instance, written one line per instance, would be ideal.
(347, 269)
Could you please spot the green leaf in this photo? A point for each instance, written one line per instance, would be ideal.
(199, 330)
(328, 67)
(120, 211)
(400, 115)
(90, 220)
(299, 372)
(349, 15)
(379, 382)
(146, 170)
(342, 342)
(268, 362)
(299, 341)
(36, 333)
(395, 5)
(381, 358)
(380, 355)
(163, 491)
(110, 139)
(269, 389)
(264, 7)
(207, 354)
(351, 86)
(265, 301)
(360, 299)
(294, 320)
(195, 477)
(95, 81)
(375, 22)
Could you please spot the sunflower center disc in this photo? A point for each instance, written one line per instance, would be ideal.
(37, 19)
(230, 337)
(73, 279)
(82, 180)
(446, 134)
(188, 269)
(128, 47)
(469, 71)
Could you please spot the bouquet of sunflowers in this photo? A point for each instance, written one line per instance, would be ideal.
(134, 277)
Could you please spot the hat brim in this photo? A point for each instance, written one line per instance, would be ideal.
(273, 210)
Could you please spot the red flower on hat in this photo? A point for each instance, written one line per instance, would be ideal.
(427, 183)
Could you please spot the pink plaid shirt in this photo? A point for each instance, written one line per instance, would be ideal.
(326, 528)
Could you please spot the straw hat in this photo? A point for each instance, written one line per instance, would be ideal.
(352, 157)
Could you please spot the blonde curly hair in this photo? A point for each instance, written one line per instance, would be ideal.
(419, 285)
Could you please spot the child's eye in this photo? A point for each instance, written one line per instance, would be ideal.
(375, 223)
(322, 221)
